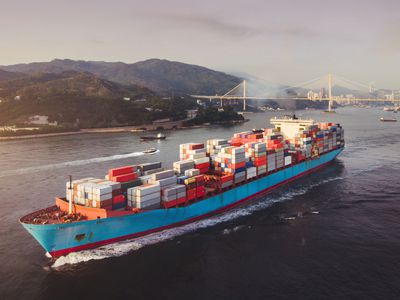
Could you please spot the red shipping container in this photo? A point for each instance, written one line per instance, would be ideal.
(191, 194)
(237, 166)
(181, 200)
(196, 146)
(226, 178)
(168, 204)
(109, 207)
(119, 199)
(261, 159)
(202, 166)
(200, 191)
(236, 143)
(120, 171)
(116, 192)
(260, 163)
(124, 178)
(204, 170)
(199, 178)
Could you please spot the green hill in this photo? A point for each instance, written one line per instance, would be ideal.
(161, 76)
(84, 100)
(7, 75)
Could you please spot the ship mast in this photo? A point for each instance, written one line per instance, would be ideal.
(70, 193)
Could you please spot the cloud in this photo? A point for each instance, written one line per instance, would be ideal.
(225, 28)
(388, 39)
(97, 41)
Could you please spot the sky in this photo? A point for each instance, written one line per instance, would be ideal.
(285, 41)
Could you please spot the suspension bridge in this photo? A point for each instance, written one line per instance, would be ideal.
(305, 91)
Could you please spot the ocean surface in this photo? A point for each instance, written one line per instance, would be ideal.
(343, 241)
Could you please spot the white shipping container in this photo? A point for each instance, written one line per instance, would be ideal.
(149, 197)
(148, 204)
(183, 164)
(163, 174)
(101, 189)
(174, 189)
(226, 184)
(192, 172)
(102, 197)
(201, 160)
(148, 189)
(114, 185)
(163, 183)
(80, 200)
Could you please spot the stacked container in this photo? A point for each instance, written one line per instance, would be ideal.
(221, 181)
(279, 158)
(195, 187)
(150, 168)
(230, 160)
(192, 173)
(164, 178)
(202, 164)
(95, 195)
(191, 151)
(257, 154)
(123, 174)
(271, 160)
(127, 176)
(242, 138)
(288, 160)
(93, 192)
(274, 139)
(251, 172)
(214, 146)
(144, 196)
(173, 196)
(181, 166)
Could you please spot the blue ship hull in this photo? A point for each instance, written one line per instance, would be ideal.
(61, 239)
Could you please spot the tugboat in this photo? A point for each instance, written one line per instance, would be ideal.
(159, 136)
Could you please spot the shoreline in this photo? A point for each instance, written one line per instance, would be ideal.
(177, 125)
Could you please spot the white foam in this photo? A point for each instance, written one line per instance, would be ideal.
(123, 248)
(69, 164)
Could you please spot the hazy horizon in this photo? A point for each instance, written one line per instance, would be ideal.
(286, 42)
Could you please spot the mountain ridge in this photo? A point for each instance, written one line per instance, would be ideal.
(160, 75)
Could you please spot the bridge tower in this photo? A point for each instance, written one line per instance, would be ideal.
(330, 102)
(244, 95)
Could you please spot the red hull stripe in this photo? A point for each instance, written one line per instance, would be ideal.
(62, 252)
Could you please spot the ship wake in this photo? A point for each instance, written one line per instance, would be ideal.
(73, 163)
(125, 247)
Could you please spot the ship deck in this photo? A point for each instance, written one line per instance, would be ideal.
(58, 214)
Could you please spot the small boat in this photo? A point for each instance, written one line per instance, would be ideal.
(255, 130)
(388, 120)
(151, 150)
(159, 136)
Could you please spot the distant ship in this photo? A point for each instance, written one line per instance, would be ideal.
(159, 136)
(388, 120)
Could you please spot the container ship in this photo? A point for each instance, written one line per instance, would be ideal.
(209, 178)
